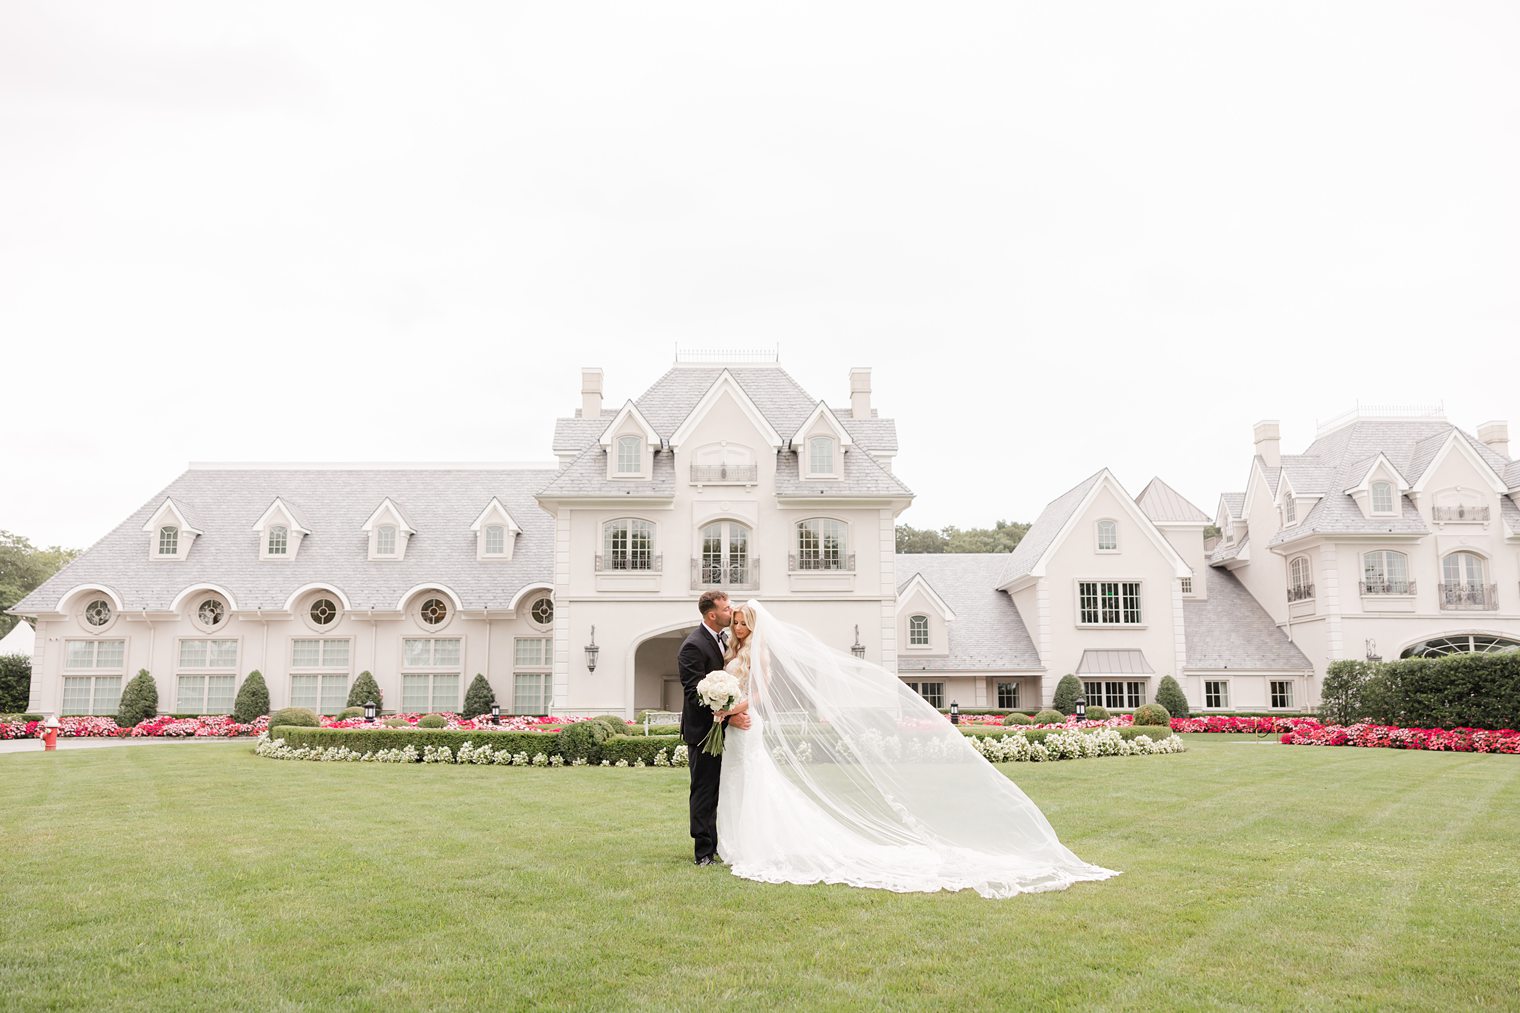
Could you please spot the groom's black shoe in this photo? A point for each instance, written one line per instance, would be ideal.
(706, 860)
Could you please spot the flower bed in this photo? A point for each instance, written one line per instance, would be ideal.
(1240, 725)
(468, 752)
(1072, 744)
(1371, 736)
(223, 726)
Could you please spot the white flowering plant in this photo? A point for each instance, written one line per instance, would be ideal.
(720, 691)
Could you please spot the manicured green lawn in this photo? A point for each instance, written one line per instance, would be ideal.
(1255, 875)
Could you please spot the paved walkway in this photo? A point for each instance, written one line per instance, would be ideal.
(35, 745)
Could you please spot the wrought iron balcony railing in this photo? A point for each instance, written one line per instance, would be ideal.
(630, 563)
(810, 563)
(720, 474)
(732, 575)
(1471, 514)
(1375, 587)
(1301, 592)
(1468, 597)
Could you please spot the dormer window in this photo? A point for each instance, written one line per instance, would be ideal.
(496, 539)
(918, 631)
(278, 532)
(1290, 511)
(169, 532)
(168, 540)
(821, 455)
(1382, 497)
(388, 531)
(495, 532)
(1108, 536)
(385, 540)
(279, 540)
(629, 460)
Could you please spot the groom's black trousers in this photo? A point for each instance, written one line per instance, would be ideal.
(705, 771)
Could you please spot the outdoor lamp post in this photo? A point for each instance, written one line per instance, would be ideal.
(858, 649)
(955, 713)
(370, 710)
(495, 713)
(1081, 708)
(1372, 654)
(592, 651)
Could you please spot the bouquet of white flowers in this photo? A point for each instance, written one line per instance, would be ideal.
(720, 691)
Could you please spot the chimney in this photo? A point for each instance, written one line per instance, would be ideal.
(1496, 436)
(591, 393)
(1267, 446)
(860, 392)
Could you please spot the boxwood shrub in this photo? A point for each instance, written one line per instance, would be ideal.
(372, 740)
(638, 747)
(1049, 717)
(295, 717)
(583, 740)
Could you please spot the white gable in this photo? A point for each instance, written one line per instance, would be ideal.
(1380, 462)
(1078, 516)
(494, 511)
(618, 424)
(922, 586)
(279, 513)
(726, 384)
(169, 512)
(825, 413)
(1455, 441)
(388, 512)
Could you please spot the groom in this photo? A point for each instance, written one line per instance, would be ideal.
(701, 654)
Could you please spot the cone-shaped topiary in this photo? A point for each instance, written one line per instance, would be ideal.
(1067, 691)
(252, 699)
(478, 698)
(139, 701)
(365, 689)
(1170, 696)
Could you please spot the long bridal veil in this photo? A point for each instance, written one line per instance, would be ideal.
(895, 776)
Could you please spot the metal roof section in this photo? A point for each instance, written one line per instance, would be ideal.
(1114, 663)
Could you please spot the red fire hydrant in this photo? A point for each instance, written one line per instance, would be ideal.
(50, 734)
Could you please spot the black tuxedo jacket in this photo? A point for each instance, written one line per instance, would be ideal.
(699, 656)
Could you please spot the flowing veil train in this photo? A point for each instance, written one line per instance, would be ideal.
(854, 778)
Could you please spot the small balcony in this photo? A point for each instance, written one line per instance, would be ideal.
(624, 571)
(1387, 587)
(735, 576)
(1468, 597)
(1460, 514)
(1302, 592)
(631, 563)
(725, 474)
(838, 562)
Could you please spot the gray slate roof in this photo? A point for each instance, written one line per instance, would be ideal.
(1231, 630)
(587, 476)
(441, 504)
(1160, 502)
(1044, 530)
(573, 435)
(988, 633)
(1226, 551)
(1235, 503)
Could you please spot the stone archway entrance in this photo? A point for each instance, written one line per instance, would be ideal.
(656, 685)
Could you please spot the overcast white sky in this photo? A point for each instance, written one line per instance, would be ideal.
(1064, 235)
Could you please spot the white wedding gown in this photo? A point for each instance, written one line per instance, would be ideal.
(863, 818)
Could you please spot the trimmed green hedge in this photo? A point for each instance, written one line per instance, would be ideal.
(15, 681)
(1455, 691)
(1036, 734)
(638, 747)
(372, 740)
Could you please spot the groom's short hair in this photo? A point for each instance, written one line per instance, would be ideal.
(709, 601)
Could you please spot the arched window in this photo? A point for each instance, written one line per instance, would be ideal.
(821, 545)
(725, 555)
(279, 538)
(1108, 536)
(1382, 497)
(385, 540)
(1464, 583)
(1386, 572)
(918, 631)
(629, 455)
(168, 540)
(627, 544)
(821, 455)
(1300, 579)
(496, 539)
(1464, 643)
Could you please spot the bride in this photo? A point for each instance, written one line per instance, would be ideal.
(845, 775)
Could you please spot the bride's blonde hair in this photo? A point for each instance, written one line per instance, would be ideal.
(732, 651)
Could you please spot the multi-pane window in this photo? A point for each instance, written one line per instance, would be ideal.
(98, 612)
(1290, 510)
(496, 539)
(1464, 568)
(385, 540)
(1187, 585)
(92, 675)
(207, 676)
(1282, 694)
(542, 611)
(918, 631)
(820, 544)
(168, 540)
(1109, 602)
(725, 554)
(1300, 579)
(1382, 498)
(319, 674)
(629, 456)
(1108, 536)
(279, 539)
(1114, 695)
(821, 455)
(1007, 695)
(934, 692)
(430, 673)
(628, 544)
(532, 664)
(1216, 695)
(1385, 572)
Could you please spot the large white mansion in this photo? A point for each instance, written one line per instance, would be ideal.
(570, 587)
